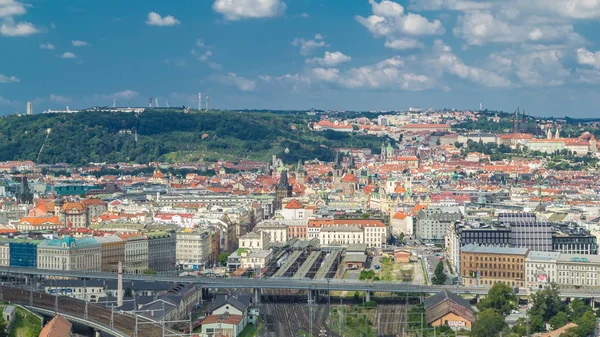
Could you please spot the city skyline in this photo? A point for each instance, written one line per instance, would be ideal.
(273, 54)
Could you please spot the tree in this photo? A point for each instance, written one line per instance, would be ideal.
(489, 324)
(586, 324)
(559, 320)
(546, 303)
(500, 298)
(578, 309)
(3, 326)
(128, 292)
(439, 277)
(521, 327)
(223, 258)
(536, 322)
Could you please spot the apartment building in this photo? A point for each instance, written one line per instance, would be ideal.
(193, 248)
(485, 266)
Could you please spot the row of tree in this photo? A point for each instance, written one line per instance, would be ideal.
(546, 309)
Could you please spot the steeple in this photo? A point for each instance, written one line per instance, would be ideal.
(283, 180)
(299, 167)
(557, 135)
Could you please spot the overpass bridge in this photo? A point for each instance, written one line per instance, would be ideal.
(286, 283)
(96, 317)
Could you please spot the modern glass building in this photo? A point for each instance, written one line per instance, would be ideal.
(23, 253)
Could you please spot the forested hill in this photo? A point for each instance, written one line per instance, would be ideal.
(98, 136)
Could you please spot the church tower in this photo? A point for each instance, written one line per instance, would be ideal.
(300, 173)
(338, 171)
(283, 190)
(557, 135)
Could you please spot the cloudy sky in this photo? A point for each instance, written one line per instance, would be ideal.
(541, 55)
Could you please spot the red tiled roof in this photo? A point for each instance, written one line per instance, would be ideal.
(294, 204)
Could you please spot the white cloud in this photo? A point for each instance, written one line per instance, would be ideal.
(200, 43)
(389, 19)
(9, 8)
(482, 27)
(250, 9)
(8, 79)
(6, 101)
(403, 43)
(308, 45)
(331, 59)
(388, 74)
(11, 28)
(79, 43)
(242, 83)
(60, 99)
(68, 55)
(451, 64)
(574, 9)
(455, 5)
(49, 46)
(125, 94)
(305, 15)
(587, 57)
(154, 19)
(215, 65)
(204, 57)
(532, 65)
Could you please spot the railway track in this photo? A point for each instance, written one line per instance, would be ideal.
(123, 323)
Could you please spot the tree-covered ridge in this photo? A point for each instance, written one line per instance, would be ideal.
(102, 136)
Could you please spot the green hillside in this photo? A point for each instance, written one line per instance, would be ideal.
(98, 136)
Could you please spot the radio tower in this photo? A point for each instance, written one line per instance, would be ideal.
(199, 101)
(207, 101)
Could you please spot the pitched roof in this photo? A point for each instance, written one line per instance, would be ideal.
(294, 204)
(57, 327)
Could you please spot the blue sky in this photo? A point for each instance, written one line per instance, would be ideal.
(541, 55)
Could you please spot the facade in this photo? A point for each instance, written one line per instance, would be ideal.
(535, 236)
(30, 223)
(278, 231)
(540, 269)
(341, 235)
(23, 253)
(161, 251)
(433, 223)
(374, 232)
(578, 270)
(136, 253)
(113, 251)
(484, 266)
(461, 235)
(255, 240)
(193, 248)
(95, 208)
(74, 214)
(256, 259)
(575, 243)
(69, 253)
(4, 253)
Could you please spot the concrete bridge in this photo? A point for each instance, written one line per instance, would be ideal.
(97, 317)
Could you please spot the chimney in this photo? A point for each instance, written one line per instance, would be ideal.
(120, 285)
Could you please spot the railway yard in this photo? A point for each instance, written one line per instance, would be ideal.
(122, 322)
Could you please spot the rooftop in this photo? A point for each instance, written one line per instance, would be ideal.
(471, 248)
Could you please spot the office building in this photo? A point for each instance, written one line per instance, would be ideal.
(30, 108)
